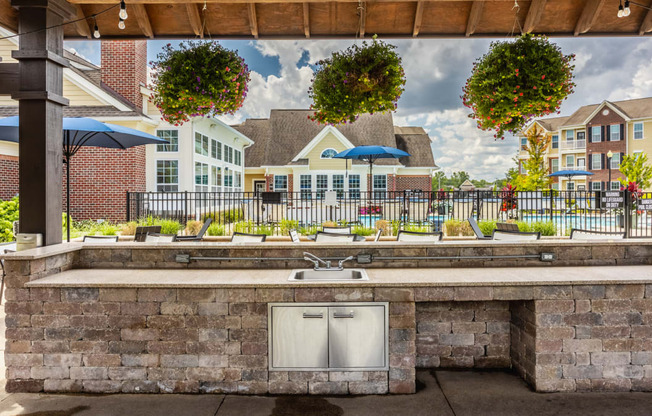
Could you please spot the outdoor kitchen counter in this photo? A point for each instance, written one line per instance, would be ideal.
(418, 277)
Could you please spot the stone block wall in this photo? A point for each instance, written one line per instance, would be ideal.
(463, 334)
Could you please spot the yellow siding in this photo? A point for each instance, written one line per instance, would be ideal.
(249, 181)
(314, 156)
(77, 96)
(644, 145)
(6, 46)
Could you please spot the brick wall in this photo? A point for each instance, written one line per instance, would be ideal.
(414, 182)
(9, 175)
(124, 68)
(603, 147)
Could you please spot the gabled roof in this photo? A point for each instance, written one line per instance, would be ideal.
(632, 109)
(79, 111)
(417, 143)
(318, 138)
(552, 124)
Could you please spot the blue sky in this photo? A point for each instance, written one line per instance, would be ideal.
(436, 69)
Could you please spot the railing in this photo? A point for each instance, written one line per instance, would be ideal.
(573, 144)
(553, 212)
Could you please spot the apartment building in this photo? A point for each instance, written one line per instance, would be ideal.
(584, 140)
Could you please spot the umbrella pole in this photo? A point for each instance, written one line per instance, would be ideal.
(68, 198)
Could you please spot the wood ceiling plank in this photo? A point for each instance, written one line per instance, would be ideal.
(8, 16)
(259, 1)
(646, 25)
(474, 17)
(589, 15)
(142, 18)
(253, 24)
(195, 19)
(82, 25)
(306, 20)
(534, 14)
(418, 16)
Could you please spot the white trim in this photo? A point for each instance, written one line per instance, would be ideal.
(634, 130)
(601, 106)
(321, 156)
(143, 119)
(230, 129)
(323, 133)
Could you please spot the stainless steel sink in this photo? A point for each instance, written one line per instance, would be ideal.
(311, 275)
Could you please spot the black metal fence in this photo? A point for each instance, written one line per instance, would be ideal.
(551, 212)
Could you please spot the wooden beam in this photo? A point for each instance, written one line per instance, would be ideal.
(8, 78)
(418, 15)
(474, 17)
(534, 14)
(254, 1)
(362, 9)
(140, 13)
(306, 20)
(194, 18)
(253, 23)
(589, 15)
(82, 26)
(646, 25)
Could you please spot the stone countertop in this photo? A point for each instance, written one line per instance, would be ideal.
(420, 277)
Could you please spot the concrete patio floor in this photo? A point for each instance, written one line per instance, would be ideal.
(441, 393)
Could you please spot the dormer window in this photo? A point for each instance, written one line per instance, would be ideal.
(328, 153)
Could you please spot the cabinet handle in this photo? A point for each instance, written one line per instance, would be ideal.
(313, 315)
(338, 315)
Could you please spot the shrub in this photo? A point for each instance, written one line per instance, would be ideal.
(329, 224)
(487, 227)
(384, 226)
(107, 228)
(129, 228)
(193, 227)
(8, 214)
(170, 227)
(287, 225)
(244, 227)
(362, 230)
(308, 230)
(215, 229)
(415, 227)
(264, 229)
(546, 228)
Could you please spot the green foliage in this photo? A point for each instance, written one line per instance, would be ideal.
(517, 81)
(361, 79)
(487, 227)
(287, 225)
(362, 230)
(247, 227)
(225, 217)
(170, 227)
(309, 230)
(198, 79)
(8, 214)
(546, 228)
(455, 228)
(415, 227)
(537, 170)
(215, 229)
(636, 170)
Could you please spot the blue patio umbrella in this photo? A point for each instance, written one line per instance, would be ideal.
(371, 154)
(79, 132)
(570, 173)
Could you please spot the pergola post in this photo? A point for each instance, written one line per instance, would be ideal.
(40, 96)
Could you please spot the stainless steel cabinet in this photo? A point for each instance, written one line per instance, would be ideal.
(328, 336)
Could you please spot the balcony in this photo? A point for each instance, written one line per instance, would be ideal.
(573, 145)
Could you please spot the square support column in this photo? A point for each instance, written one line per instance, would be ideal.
(41, 64)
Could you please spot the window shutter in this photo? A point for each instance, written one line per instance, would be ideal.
(621, 159)
(622, 131)
(602, 165)
(603, 185)
(590, 161)
(603, 133)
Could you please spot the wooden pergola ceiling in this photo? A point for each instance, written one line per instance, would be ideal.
(295, 19)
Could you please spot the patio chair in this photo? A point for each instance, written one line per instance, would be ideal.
(248, 238)
(509, 235)
(578, 234)
(294, 235)
(506, 226)
(141, 232)
(323, 237)
(378, 234)
(419, 237)
(100, 239)
(476, 229)
(199, 236)
(160, 238)
(337, 230)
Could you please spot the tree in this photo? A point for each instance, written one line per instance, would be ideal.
(537, 171)
(636, 170)
(439, 180)
(458, 178)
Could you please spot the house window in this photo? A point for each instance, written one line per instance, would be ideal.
(338, 185)
(555, 186)
(555, 141)
(201, 144)
(305, 185)
(596, 186)
(167, 175)
(580, 187)
(280, 183)
(238, 158)
(615, 161)
(321, 182)
(596, 161)
(214, 149)
(228, 154)
(570, 135)
(216, 179)
(554, 165)
(328, 153)
(570, 186)
(638, 131)
(380, 186)
(570, 161)
(523, 143)
(581, 163)
(615, 186)
(228, 179)
(237, 180)
(201, 177)
(596, 134)
(354, 186)
(172, 136)
(614, 132)
(581, 140)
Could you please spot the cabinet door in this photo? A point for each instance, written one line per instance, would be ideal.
(299, 337)
(357, 337)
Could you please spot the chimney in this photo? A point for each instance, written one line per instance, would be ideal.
(124, 68)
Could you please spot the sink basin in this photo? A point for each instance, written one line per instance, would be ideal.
(311, 275)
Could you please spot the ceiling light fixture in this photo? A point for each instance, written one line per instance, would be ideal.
(626, 12)
(96, 30)
(121, 24)
(123, 10)
(621, 11)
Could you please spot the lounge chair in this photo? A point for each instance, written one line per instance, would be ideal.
(248, 238)
(199, 235)
(323, 237)
(418, 237)
(294, 235)
(506, 226)
(578, 234)
(160, 238)
(100, 239)
(337, 230)
(141, 232)
(509, 235)
(476, 229)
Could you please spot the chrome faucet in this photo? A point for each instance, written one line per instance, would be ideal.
(340, 264)
(316, 261)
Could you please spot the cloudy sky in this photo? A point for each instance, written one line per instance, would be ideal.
(606, 68)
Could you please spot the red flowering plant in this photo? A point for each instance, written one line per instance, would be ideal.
(361, 79)
(198, 79)
(632, 188)
(508, 196)
(517, 81)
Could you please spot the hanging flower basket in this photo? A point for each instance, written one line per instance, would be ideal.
(517, 81)
(361, 79)
(198, 79)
